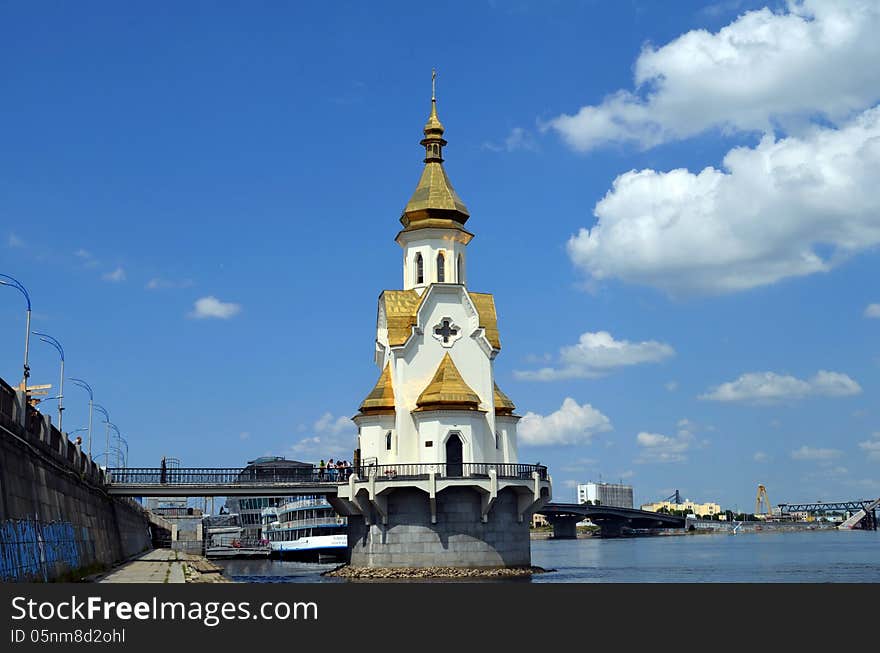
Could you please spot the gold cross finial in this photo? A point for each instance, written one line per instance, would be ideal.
(433, 81)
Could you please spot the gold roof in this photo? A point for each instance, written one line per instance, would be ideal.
(485, 304)
(381, 397)
(447, 390)
(401, 308)
(503, 404)
(434, 197)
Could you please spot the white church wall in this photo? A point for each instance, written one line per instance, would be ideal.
(428, 243)
(372, 430)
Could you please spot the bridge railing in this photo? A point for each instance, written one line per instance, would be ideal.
(273, 475)
(216, 475)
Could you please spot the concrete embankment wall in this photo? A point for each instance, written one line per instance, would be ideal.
(56, 519)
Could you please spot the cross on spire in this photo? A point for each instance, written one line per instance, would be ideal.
(433, 87)
(445, 330)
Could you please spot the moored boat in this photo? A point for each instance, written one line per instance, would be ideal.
(306, 529)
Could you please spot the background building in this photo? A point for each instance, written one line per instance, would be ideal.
(686, 506)
(606, 494)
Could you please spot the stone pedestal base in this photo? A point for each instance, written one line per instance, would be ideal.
(459, 538)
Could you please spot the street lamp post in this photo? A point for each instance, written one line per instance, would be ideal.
(107, 430)
(50, 340)
(120, 440)
(6, 280)
(85, 386)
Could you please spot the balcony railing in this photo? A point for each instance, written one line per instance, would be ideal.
(421, 471)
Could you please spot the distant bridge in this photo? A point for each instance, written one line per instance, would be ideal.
(610, 519)
(826, 506)
(863, 512)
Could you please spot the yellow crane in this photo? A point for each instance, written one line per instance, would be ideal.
(762, 495)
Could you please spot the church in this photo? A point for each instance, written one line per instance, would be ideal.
(437, 480)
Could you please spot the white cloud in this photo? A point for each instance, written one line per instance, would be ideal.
(518, 139)
(244, 435)
(571, 424)
(597, 354)
(671, 386)
(872, 310)
(872, 447)
(659, 448)
(817, 58)
(327, 423)
(14, 241)
(785, 208)
(812, 453)
(116, 276)
(334, 437)
(769, 387)
(761, 457)
(211, 307)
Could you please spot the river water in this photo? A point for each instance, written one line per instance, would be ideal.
(790, 557)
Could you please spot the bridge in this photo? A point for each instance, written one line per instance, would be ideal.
(220, 481)
(610, 519)
(863, 511)
(268, 481)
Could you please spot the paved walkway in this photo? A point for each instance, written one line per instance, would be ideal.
(156, 566)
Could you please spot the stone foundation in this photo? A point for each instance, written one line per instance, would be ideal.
(459, 538)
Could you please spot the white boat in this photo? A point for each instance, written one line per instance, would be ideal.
(307, 528)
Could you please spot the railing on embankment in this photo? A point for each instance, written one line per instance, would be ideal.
(56, 518)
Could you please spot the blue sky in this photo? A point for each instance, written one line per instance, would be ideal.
(675, 206)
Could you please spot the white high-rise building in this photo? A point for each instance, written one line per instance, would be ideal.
(606, 494)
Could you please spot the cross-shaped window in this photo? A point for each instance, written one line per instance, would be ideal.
(445, 331)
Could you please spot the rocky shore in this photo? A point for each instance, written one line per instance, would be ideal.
(413, 573)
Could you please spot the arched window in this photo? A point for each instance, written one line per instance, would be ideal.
(388, 441)
(441, 268)
(459, 276)
(497, 440)
(420, 269)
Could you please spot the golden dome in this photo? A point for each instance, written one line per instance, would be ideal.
(434, 202)
(381, 399)
(447, 390)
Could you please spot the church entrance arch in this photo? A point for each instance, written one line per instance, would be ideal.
(454, 455)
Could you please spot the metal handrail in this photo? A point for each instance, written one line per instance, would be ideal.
(419, 471)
